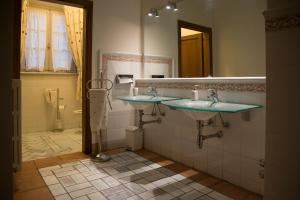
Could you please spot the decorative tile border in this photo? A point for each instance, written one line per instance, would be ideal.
(283, 18)
(242, 87)
(122, 57)
(280, 23)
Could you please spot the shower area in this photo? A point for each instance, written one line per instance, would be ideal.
(51, 75)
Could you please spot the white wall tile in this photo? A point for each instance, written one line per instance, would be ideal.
(222, 157)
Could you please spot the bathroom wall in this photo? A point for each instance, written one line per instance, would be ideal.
(160, 34)
(117, 28)
(238, 34)
(283, 94)
(234, 157)
(239, 38)
(122, 114)
(37, 115)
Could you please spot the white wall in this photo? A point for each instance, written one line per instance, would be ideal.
(37, 115)
(239, 38)
(117, 28)
(160, 34)
(238, 34)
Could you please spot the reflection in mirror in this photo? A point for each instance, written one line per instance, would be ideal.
(194, 50)
(231, 43)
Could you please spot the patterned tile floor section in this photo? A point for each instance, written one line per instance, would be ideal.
(48, 144)
(127, 176)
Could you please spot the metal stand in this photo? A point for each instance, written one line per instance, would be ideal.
(100, 157)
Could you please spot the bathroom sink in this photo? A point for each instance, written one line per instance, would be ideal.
(205, 110)
(142, 102)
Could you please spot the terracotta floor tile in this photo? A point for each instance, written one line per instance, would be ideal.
(73, 157)
(47, 162)
(254, 197)
(156, 158)
(189, 173)
(209, 181)
(231, 191)
(150, 155)
(165, 163)
(29, 183)
(37, 194)
(115, 151)
(28, 165)
(23, 174)
(176, 167)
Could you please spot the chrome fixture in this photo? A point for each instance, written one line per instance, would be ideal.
(142, 123)
(171, 6)
(96, 113)
(152, 91)
(201, 137)
(153, 12)
(213, 96)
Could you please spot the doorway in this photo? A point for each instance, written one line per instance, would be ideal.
(194, 50)
(54, 104)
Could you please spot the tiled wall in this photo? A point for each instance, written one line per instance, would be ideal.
(37, 115)
(122, 115)
(234, 157)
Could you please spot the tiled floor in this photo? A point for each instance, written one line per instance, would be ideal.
(131, 176)
(48, 144)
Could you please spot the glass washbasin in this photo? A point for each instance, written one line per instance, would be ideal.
(205, 110)
(141, 102)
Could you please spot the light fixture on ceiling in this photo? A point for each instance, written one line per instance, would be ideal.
(171, 6)
(153, 12)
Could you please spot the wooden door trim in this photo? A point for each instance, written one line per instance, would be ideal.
(196, 27)
(87, 5)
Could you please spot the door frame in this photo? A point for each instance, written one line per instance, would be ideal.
(196, 27)
(87, 6)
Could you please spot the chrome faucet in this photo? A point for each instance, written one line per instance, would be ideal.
(152, 91)
(213, 96)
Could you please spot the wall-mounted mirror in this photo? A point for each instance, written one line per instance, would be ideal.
(220, 38)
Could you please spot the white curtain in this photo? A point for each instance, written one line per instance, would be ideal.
(61, 55)
(74, 21)
(23, 30)
(35, 51)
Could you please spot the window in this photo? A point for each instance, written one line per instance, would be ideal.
(47, 46)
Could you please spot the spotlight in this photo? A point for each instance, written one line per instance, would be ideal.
(153, 12)
(171, 6)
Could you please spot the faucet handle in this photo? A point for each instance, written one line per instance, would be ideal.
(211, 91)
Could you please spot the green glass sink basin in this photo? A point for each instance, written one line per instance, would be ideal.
(141, 102)
(204, 110)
